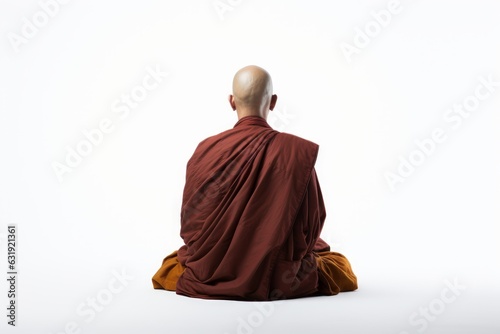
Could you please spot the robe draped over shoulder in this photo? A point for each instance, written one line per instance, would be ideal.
(251, 218)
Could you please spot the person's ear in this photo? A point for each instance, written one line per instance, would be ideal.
(231, 102)
(274, 98)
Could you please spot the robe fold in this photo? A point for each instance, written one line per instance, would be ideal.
(251, 218)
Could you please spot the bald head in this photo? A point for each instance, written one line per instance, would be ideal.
(252, 92)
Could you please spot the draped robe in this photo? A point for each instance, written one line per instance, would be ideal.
(251, 218)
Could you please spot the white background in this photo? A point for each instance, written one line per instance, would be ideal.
(118, 210)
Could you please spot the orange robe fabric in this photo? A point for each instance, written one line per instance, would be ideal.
(251, 218)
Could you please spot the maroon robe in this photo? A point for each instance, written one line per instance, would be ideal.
(252, 213)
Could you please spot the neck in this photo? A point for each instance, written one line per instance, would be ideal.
(245, 113)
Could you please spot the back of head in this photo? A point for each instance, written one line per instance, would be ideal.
(252, 92)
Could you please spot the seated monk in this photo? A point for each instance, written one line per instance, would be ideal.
(252, 212)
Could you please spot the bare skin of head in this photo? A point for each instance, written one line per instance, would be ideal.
(252, 92)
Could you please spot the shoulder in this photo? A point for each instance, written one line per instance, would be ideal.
(293, 142)
(212, 142)
(290, 152)
(215, 138)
